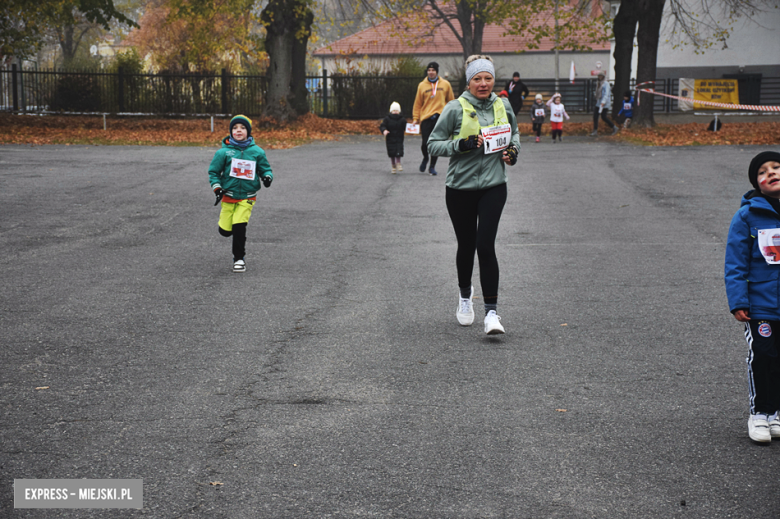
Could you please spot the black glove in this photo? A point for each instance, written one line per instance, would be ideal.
(512, 152)
(219, 193)
(267, 181)
(467, 144)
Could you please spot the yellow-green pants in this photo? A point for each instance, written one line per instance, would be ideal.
(235, 212)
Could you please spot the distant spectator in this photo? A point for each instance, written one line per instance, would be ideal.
(516, 92)
(603, 97)
(432, 94)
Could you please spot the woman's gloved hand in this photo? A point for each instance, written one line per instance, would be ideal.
(470, 143)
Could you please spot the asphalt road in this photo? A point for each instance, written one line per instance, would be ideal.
(332, 379)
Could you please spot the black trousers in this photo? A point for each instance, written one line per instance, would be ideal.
(604, 117)
(475, 216)
(763, 363)
(537, 128)
(426, 127)
(239, 240)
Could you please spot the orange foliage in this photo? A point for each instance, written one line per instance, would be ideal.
(19, 129)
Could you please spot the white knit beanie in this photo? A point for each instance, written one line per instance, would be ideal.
(395, 107)
(477, 66)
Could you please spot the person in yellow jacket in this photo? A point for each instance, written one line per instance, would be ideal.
(432, 94)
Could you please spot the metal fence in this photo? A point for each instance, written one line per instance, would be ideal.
(339, 96)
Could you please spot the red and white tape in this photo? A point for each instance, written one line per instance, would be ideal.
(650, 90)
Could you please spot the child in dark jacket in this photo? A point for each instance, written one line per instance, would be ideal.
(628, 108)
(393, 127)
(537, 116)
(751, 274)
(236, 173)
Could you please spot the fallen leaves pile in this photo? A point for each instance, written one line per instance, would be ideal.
(55, 129)
(78, 129)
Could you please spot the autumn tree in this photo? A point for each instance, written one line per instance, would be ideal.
(28, 21)
(702, 25)
(20, 29)
(199, 35)
(579, 22)
(288, 28)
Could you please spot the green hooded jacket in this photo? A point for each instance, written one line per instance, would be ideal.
(473, 169)
(238, 188)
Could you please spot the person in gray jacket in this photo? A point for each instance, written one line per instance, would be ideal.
(478, 131)
(603, 96)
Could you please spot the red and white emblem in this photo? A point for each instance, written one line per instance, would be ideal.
(764, 330)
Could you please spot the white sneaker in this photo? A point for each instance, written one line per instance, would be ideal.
(399, 167)
(774, 425)
(465, 313)
(492, 324)
(758, 428)
(392, 170)
(239, 266)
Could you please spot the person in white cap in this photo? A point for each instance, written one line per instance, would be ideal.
(393, 127)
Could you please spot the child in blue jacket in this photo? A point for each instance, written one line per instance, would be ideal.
(752, 275)
(236, 173)
(628, 108)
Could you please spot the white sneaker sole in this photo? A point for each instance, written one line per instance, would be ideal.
(495, 331)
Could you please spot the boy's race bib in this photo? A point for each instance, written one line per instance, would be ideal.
(496, 138)
(769, 245)
(244, 169)
(412, 129)
(539, 112)
(626, 106)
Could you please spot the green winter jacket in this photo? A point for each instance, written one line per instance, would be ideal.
(235, 187)
(473, 169)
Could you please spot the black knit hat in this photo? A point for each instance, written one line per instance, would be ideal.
(758, 161)
(433, 65)
(241, 119)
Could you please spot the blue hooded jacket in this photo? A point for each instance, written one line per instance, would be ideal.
(752, 284)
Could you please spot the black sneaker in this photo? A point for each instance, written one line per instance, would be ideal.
(432, 171)
(423, 165)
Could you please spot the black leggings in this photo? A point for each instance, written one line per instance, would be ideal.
(475, 216)
(537, 129)
(239, 239)
(426, 127)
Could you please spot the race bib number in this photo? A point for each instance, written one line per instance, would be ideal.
(497, 138)
(539, 112)
(769, 245)
(412, 129)
(626, 106)
(244, 169)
